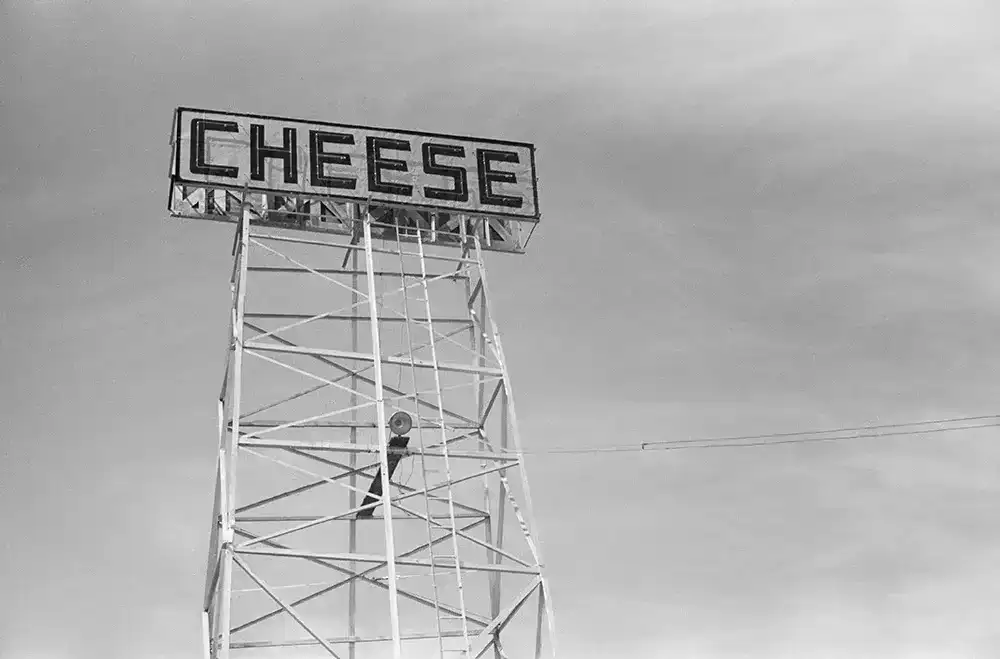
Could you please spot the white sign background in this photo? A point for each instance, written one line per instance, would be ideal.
(421, 176)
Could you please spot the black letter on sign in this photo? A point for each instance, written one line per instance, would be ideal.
(286, 152)
(318, 158)
(198, 164)
(460, 190)
(376, 163)
(487, 177)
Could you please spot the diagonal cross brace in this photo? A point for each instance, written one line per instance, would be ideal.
(362, 576)
(366, 380)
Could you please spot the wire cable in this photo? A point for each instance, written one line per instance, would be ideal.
(771, 439)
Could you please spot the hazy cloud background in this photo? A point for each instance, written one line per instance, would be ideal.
(758, 216)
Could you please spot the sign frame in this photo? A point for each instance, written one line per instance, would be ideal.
(177, 178)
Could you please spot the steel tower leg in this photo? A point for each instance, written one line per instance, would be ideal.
(383, 443)
(231, 389)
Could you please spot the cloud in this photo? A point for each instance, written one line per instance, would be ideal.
(757, 218)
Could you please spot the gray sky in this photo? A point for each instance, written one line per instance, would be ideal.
(758, 216)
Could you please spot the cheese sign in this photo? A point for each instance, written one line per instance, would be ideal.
(339, 161)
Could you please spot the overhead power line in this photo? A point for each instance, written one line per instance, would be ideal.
(800, 437)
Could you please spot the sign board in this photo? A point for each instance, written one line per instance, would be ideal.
(315, 159)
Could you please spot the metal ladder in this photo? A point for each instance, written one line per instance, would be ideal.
(454, 557)
(444, 620)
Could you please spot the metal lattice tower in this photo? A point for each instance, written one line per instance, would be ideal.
(376, 310)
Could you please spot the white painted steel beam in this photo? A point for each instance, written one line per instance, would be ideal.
(367, 357)
(377, 558)
(343, 447)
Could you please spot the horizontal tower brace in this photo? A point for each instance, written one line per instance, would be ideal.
(366, 357)
(309, 518)
(376, 558)
(377, 250)
(367, 448)
(344, 271)
(341, 640)
(270, 423)
(360, 319)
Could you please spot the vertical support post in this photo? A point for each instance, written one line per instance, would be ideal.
(541, 614)
(229, 514)
(501, 520)
(206, 649)
(383, 445)
(512, 425)
(216, 537)
(352, 494)
(477, 340)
